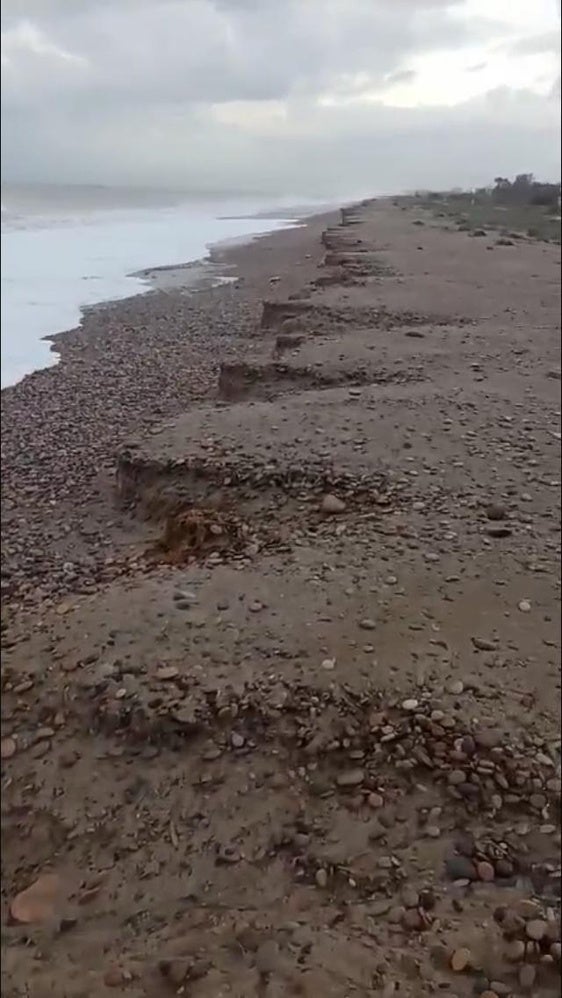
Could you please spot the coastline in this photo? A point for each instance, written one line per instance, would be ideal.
(280, 566)
(193, 273)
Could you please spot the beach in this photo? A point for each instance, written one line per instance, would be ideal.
(281, 599)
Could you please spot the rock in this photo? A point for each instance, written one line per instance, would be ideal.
(461, 960)
(8, 748)
(176, 971)
(267, 957)
(410, 705)
(484, 644)
(367, 624)
(37, 903)
(524, 606)
(496, 512)
(328, 664)
(255, 606)
(116, 977)
(454, 686)
(350, 778)
(536, 929)
(412, 920)
(236, 740)
(456, 777)
(514, 951)
(460, 868)
(410, 897)
(167, 672)
(527, 974)
(375, 801)
(485, 871)
(332, 505)
(499, 531)
(321, 878)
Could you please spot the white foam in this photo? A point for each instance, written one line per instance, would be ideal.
(52, 267)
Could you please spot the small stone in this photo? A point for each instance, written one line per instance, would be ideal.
(333, 504)
(37, 902)
(496, 512)
(527, 908)
(556, 951)
(8, 748)
(524, 606)
(460, 868)
(500, 989)
(351, 778)
(456, 777)
(375, 801)
(329, 664)
(255, 606)
(461, 960)
(536, 929)
(321, 879)
(432, 831)
(115, 977)
(268, 957)
(367, 624)
(412, 920)
(488, 994)
(484, 644)
(527, 974)
(410, 705)
(514, 951)
(454, 686)
(410, 897)
(175, 971)
(166, 672)
(237, 741)
(485, 871)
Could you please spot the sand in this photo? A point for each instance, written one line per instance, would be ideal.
(281, 627)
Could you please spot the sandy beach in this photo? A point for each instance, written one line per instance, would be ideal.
(281, 642)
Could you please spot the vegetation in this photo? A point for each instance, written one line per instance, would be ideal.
(523, 207)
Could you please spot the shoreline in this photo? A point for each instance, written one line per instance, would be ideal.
(188, 276)
(280, 565)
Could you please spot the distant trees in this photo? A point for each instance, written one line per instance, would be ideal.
(525, 190)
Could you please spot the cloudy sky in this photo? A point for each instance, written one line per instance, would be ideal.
(298, 97)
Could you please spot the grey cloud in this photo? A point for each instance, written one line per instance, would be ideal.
(228, 93)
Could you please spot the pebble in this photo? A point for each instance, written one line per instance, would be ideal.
(351, 778)
(527, 974)
(333, 504)
(237, 740)
(536, 929)
(375, 801)
(410, 705)
(456, 777)
(329, 664)
(412, 920)
(461, 960)
(455, 686)
(321, 878)
(460, 868)
(255, 606)
(37, 902)
(485, 871)
(367, 624)
(514, 951)
(167, 672)
(410, 897)
(7, 748)
(524, 606)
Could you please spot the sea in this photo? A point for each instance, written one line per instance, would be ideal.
(64, 248)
